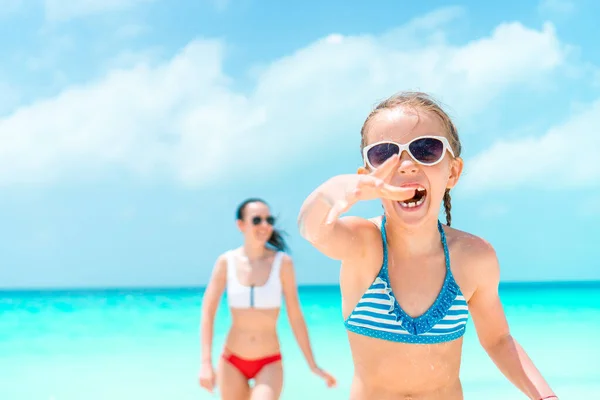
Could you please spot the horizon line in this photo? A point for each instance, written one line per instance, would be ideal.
(136, 289)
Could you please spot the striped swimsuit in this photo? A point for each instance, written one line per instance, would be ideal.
(379, 315)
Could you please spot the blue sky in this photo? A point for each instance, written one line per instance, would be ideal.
(130, 129)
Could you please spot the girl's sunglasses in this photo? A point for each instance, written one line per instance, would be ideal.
(425, 150)
(257, 220)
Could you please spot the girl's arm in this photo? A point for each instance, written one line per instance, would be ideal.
(343, 238)
(337, 239)
(494, 334)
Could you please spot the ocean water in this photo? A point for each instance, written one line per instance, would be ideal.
(144, 344)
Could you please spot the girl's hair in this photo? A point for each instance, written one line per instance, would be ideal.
(276, 240)
(424, 102)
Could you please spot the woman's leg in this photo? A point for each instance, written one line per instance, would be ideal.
(268, 382)
(232, 384)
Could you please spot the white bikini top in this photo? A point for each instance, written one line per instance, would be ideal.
(265, 296)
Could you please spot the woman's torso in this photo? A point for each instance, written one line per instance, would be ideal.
(254, 298)
(427, 369)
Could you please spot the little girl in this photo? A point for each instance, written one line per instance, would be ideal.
(408, 281)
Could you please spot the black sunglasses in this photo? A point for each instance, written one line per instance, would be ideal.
(269, 220)
(425, 150)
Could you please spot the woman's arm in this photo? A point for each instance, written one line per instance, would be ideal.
(494, 334)
(292, 303)
(210, 304)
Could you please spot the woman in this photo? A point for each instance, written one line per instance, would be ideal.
(408, 282)
(255, 276)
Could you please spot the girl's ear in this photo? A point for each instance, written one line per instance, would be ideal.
(456, 168)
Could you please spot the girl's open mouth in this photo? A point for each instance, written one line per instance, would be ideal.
(416, 200)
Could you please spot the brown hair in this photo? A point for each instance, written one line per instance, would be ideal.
(276, 240)
(419, 101)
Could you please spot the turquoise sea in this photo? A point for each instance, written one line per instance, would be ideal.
(143, 344)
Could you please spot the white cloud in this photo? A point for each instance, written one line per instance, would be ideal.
(565, 157)
(184, 119)
(61, 10)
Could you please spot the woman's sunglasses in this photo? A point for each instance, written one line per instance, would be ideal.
(258, 220)
(425, 150)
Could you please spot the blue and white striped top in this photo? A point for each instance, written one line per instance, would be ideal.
(379, 315)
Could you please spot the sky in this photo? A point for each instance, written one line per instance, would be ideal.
(131, 129)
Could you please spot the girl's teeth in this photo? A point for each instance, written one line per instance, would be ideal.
(412, 203)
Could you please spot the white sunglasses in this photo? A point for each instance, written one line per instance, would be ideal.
(425, 150)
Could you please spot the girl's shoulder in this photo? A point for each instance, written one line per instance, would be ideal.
(473, 259)
(468, 244)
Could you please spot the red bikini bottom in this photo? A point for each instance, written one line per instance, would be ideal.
(250, 368)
